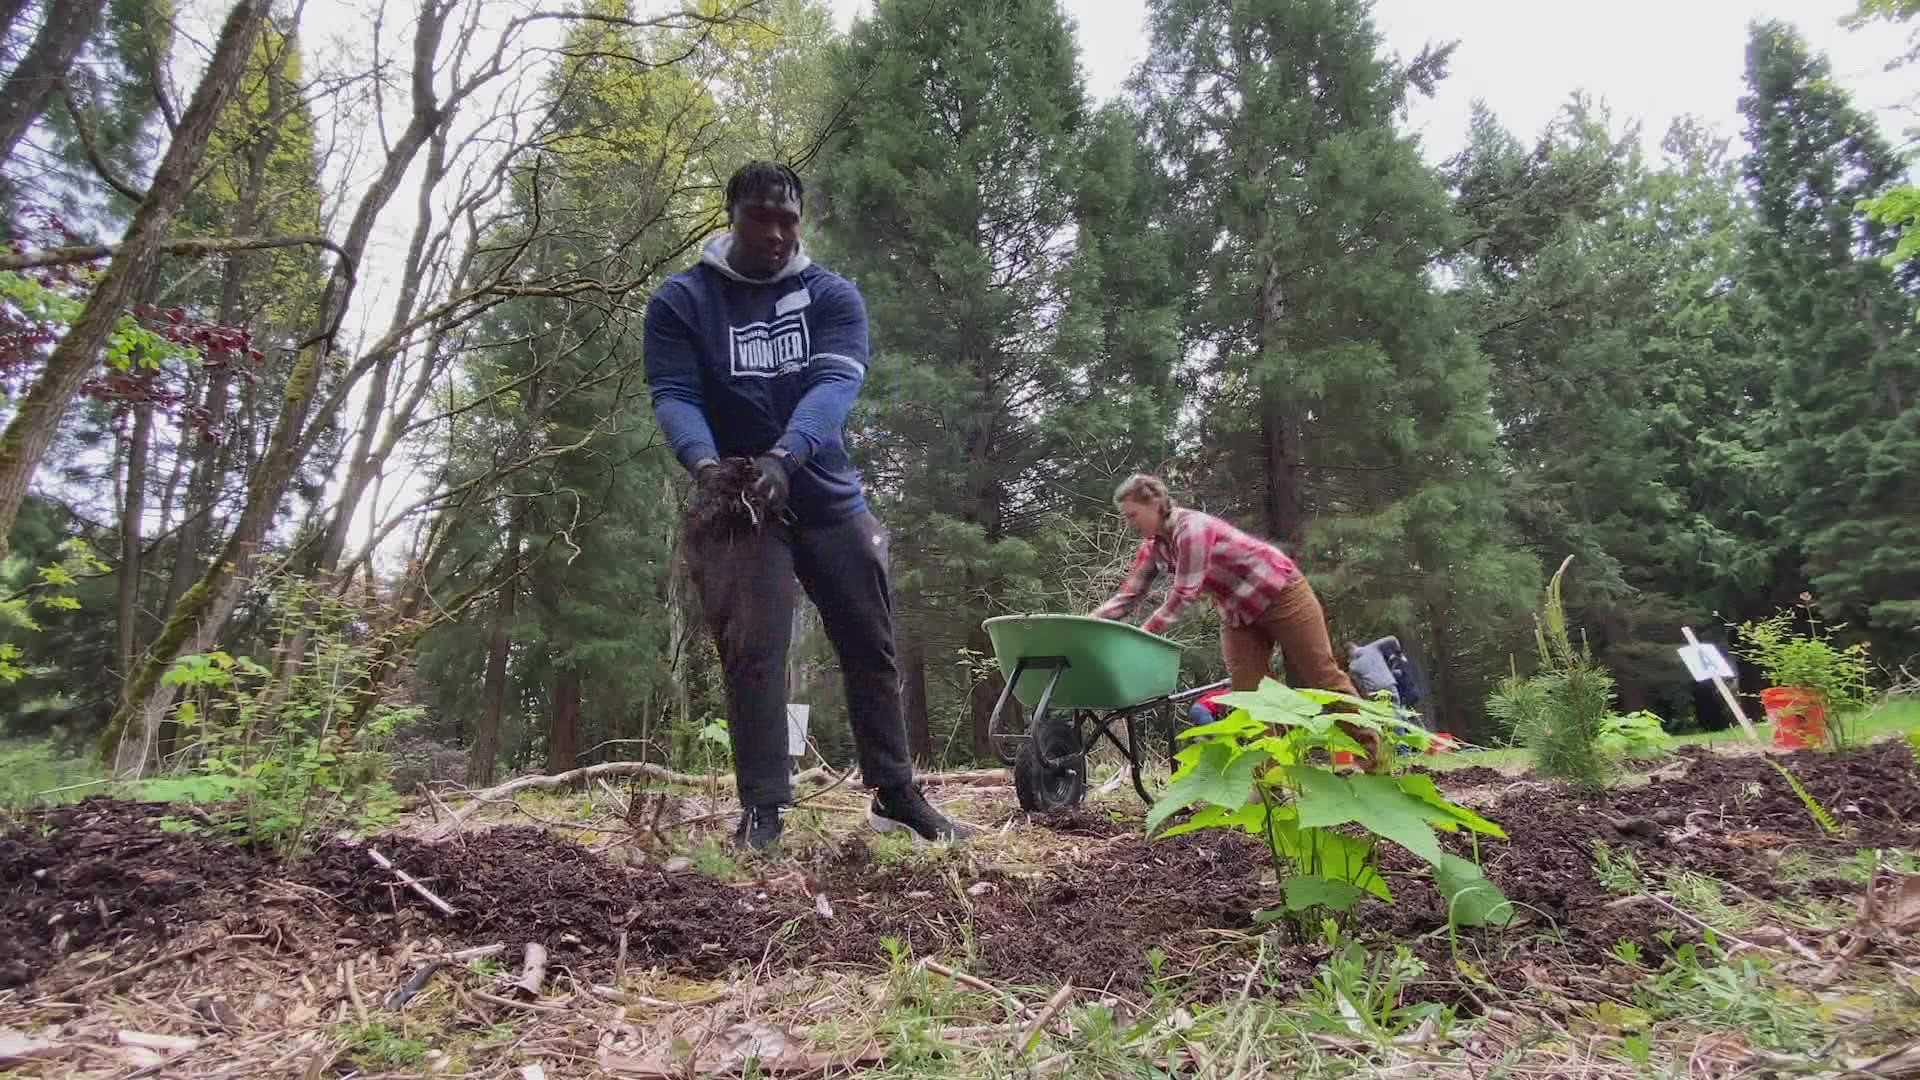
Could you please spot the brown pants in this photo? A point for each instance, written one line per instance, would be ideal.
(1296, 624)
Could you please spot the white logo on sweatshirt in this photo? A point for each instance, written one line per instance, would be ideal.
(767, 350)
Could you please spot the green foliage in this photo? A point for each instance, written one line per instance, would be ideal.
(1635, 735)
(1356, 992)
(1560, 711)
(129, 346)
(1630, 380)
(38, 771)
(1253, 771)
(1811, 660)
(1274, 181)
(1898, 209)
(1819, 813)
(281, 759)
(51, 590)
(1846, 445)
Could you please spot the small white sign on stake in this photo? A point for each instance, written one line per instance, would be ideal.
(1706, 662)
(797, 729)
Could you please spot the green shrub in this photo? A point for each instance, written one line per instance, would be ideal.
(1810, 661)
(1560, 712)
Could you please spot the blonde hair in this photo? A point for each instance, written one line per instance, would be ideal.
(1145, 488)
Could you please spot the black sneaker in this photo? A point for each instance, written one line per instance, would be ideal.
(759, 827)
(904, 807)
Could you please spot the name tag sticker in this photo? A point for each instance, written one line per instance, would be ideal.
(792, 302)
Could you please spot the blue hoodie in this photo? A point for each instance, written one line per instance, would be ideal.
(739, 366)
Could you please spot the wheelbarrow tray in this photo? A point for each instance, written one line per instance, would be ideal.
(1109, 665)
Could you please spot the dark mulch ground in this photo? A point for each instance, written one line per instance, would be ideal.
(1090, 920)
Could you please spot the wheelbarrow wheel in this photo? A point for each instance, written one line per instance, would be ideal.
(1040, 788)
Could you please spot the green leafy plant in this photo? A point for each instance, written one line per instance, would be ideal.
(1252, 771)
(1635, 735)
(280, 748)
(1810, 660)
(1819, 813)
(1559, 712)
(1356, 992)
(51, 589)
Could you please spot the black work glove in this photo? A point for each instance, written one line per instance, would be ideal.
(770, 486)
(706, 480)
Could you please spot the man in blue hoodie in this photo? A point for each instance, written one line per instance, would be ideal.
(757, 353)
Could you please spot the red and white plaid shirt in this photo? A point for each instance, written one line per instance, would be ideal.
(1244, 574)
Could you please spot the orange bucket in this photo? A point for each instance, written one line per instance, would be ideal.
(1798, 715)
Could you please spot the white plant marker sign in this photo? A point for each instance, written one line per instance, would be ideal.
(1705, 662)
(797, 729)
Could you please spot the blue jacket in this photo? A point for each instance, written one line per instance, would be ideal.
(739, 366)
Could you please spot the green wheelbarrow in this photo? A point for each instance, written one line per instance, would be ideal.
(1079, 676)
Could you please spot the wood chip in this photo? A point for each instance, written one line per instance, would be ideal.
(173, 1044)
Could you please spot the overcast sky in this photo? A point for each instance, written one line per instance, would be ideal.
(1649, 59)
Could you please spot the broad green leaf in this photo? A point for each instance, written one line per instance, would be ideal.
(1374, 802)
(1234, 723)
(1218, 777)
(1310, 891)
(1251, 818)
(1285, 749)
(1274, 703)
(1447, 814)
(1472, 900)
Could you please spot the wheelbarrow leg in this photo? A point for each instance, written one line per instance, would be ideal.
(999, 709)
(1134, 762)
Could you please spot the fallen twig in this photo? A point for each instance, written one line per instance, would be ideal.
(411, 882)
(399, 998)
(167, 1044)
(572, 776)
(1716, 931)
(620, 962)
(1014, 1005)
(1051, 1009)
(516, 1003)
(478, 952)
(533, 970)
(962, 978)
(353, 991)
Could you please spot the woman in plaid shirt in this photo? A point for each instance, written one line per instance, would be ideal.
(1263, 597)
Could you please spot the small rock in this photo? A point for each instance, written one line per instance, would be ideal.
(679, 864)
(980, 888)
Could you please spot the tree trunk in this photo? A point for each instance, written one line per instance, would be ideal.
(132, 514)
(204, 609)
(563, 732)
(485, 752)
(32, 429)
(1279, 442)
(68, 25)
(981, 699)
(919, 724)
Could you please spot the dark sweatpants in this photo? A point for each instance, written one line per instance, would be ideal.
(746, 586)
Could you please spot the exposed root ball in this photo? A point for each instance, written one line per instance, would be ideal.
(725, 506)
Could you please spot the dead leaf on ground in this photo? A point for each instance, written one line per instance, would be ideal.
(1900, 911)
